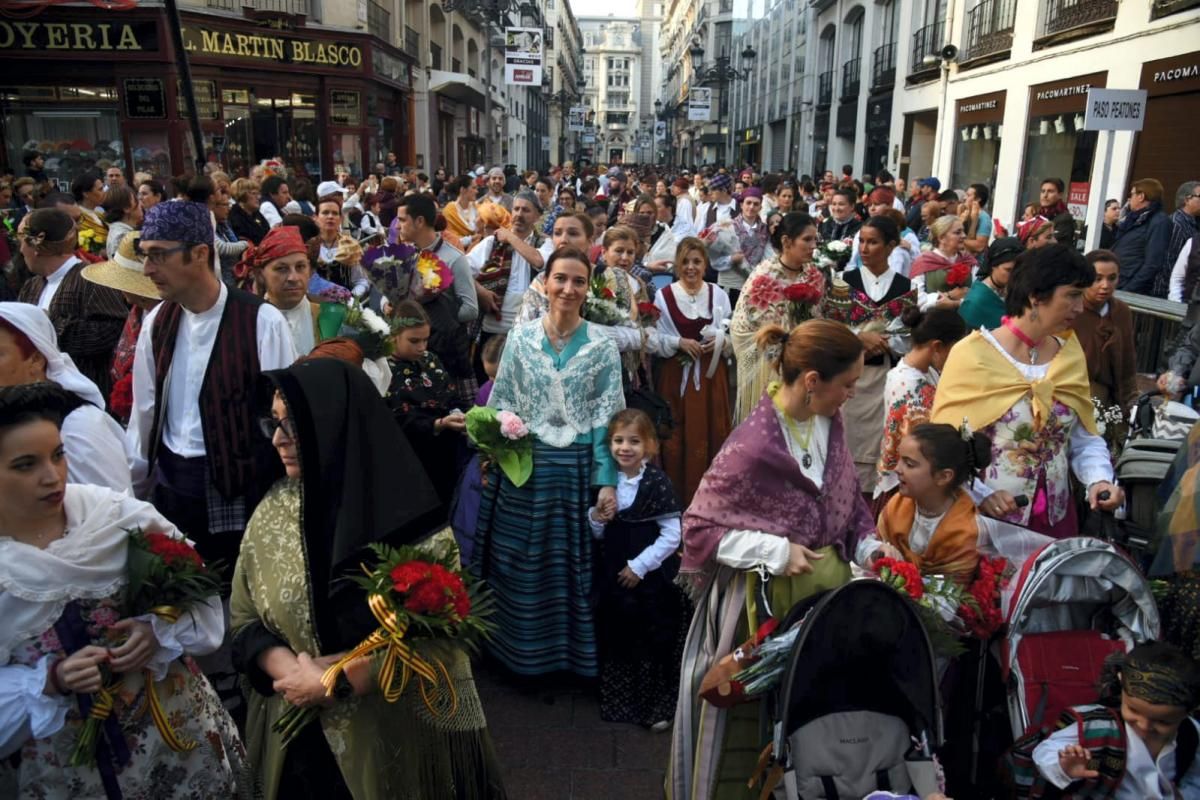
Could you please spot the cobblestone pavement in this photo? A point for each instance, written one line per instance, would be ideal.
(552, 744)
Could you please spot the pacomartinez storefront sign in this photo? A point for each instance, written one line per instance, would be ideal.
(269, 47)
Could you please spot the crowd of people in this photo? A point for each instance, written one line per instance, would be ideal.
(738, 389)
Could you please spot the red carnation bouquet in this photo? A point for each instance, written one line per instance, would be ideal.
(958, 276)
(935, 601)
(168, 578)
(980, 609)
(413, 593)
(802, 298)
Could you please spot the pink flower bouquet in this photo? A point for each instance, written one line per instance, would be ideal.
(503, 437)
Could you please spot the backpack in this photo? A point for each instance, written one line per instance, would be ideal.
(1102, 732)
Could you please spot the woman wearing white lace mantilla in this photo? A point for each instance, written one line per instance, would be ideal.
(533, 544)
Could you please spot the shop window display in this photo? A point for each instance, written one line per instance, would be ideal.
(976, 154)
(151, 153)
(1056, 146)
(74, 128)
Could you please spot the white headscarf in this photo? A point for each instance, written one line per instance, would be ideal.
(35, 324)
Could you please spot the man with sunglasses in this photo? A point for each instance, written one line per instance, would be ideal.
(194, 443)
(88, 318)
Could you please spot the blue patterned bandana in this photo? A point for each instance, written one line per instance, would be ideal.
(178, 221)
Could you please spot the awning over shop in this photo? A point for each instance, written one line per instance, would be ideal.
(458, 86)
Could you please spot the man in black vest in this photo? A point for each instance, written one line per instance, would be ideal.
(194, 442)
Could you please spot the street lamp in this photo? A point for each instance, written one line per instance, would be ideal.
(722, 72)
(485, 14)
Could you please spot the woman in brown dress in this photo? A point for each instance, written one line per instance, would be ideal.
(694, 316)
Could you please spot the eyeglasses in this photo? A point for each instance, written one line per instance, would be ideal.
(268, 426)
(159, 255)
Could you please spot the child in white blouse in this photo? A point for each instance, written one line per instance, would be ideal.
(643, 615)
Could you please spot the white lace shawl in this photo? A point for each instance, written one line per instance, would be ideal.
(87, 563)
(558, 405)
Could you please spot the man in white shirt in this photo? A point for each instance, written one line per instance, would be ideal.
(194, 443)
(505, 263)
(87, 318)
(722, 206)
(275, 195)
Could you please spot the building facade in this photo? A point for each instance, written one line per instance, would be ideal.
(612, 76)
(1007, 108)
(565, 57)
(686, 23)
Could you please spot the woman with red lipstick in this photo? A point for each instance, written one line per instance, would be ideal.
(63, 551)
(1025, 385)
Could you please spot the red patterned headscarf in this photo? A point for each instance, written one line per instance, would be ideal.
(280, 241)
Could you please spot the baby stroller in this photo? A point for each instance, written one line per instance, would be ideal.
(857, 709)
(1073, 603)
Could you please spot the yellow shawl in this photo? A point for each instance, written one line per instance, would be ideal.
(455, 224)
(980, 385)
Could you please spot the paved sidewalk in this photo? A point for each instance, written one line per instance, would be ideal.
(552, 745)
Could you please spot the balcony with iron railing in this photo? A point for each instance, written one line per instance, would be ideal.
(379, 21)
(851, 78)
(883, 67)
(990, 28)
(1162, 8)
(1072, 19)
(295, 8)
(825, 88)
(225, 5)
(412, 42)
(927, 43)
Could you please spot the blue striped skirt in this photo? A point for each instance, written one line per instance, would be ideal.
(534, 549)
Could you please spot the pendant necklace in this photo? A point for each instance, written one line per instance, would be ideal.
(803, 439)
(1023, 337)
(558, 340)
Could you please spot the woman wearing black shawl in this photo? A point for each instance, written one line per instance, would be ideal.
(294, 610)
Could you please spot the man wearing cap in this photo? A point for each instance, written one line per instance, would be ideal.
(194, 443)
(504, 264)
(87, 318)
(618, 194)
(720, 205)
(495, 190)
(927, 189)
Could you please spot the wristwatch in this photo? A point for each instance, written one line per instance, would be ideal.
(342, 688)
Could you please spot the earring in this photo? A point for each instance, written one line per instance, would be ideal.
(1033, 314)
(807, 398)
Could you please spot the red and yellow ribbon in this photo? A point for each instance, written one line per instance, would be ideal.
(154, 705)
(400, 657)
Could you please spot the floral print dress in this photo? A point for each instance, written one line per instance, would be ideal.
(154, 771)
(421, 393)
(908, 399)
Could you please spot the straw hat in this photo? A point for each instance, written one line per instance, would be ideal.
(124, 272)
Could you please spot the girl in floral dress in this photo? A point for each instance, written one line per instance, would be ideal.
(423, 397)
(64, 635)
(908, 392)
(872, 301)
(762, 302)
(1026, 386)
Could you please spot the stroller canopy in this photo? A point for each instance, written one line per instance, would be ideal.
(861, 647)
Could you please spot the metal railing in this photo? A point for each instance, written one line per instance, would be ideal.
(435, 56)
(883, 67)
(379, 21)
(851, 78)
(927, 42)
(1063, 15)
(298, 8)
(412, 42)
(990, 28)
(1162, 8)
(1157, 325)
(825, 88)
(226, 5)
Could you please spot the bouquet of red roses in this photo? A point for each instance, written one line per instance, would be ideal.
(801, 297)
(168, 578)
(980, 609)
(413, 593)
(648, 314)
(958, 276)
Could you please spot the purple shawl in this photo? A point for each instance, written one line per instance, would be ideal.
(755, 484)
